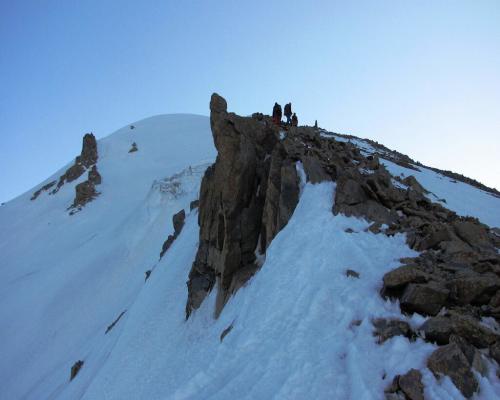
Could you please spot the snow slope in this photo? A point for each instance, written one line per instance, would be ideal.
(300, 328)
(64, 279)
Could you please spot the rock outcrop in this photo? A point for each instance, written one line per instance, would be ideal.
(86, 159)
(133, 148)
(42, 189)
(178, 223)
(85, 191)
(246, 198)
(77, 366)
(251, 191)
(408, 386)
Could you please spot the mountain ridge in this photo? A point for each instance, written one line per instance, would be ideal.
(66, 279)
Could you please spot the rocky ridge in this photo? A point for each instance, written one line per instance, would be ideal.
(251, 191)
(84, 191)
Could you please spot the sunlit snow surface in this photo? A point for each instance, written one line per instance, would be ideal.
(64, 279)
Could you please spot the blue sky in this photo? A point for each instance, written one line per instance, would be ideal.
(421, 77)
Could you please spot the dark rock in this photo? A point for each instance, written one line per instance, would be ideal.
(426, 299)
(412, 182)
(406, 387)
(350, 192)
(439, 329)
(134, 148)
(85, 192)
(94, 176)
(472, 288)
(250, 192)
(88, 156)
(472, 233)
(443, 234)
(194, 204)
(75, 369)
(466, 348)
(166, 245)
(114, 322)
(495, 351)
(42, 189)
(178, 221)
(370, 209)
(449, 360)
(402, 276)
(281, 196)
(376, 227)
(225, 332)
(314, 170)
(147, 275)
(351, 273)
(411, 385)
(86, 159)
(388, 328)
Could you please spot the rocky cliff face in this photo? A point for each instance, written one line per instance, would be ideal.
(86, 159)
(251, 191)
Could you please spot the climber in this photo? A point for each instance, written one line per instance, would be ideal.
(277, 114)
(288, 112)
(295, 120)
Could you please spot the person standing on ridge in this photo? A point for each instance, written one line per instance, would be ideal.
(295, 120)
(288, 112)
(277, 114)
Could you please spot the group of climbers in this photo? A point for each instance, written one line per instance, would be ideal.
(291, 118)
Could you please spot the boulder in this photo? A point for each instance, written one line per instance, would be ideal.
(412, 182)
(406, 387)
(352, 274)
(178, 221)
(85, 192)
(473, 233)
(133, 148)
(411, 385)
(425, 299)
(401, 276)
(441, 234)
(77, 366)
(449, 360)
(473, 288)
(439, 329)
(314, 170)
(388, 328)
(349, 192)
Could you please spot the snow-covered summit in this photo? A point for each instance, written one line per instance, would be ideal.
(73, 287)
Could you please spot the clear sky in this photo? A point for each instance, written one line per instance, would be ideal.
(422, 77)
